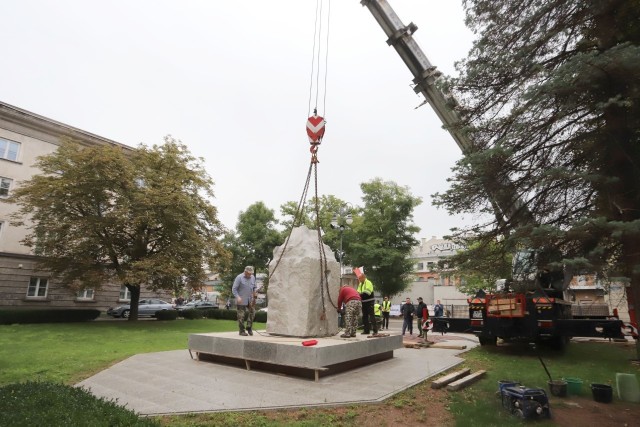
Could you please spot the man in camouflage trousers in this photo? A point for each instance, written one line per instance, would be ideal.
(353, 306)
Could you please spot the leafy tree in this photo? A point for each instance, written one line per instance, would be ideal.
(327, 207)
(480, 264)
(552, 103)
(382, 237)
(252, 243)
(140, 218)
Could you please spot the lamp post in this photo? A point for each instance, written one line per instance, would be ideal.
(341, 220)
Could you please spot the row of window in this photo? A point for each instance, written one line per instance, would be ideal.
(9, 150)
(39, 286)
(420, 266)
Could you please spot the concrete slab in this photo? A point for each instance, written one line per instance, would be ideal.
(328, 356)
(172, 383)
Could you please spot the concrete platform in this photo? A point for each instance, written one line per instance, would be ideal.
(171, 382)
(277, 354)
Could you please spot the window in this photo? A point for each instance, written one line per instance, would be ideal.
(431, 265)
(5, 185)
(125, 295)
(419, 266)
(37, 287)
(9, 150)
(85, 294)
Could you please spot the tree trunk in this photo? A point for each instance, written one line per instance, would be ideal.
(135, 299)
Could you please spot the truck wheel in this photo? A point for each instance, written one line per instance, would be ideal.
(488, 340)
(125, 314)
(558, 343)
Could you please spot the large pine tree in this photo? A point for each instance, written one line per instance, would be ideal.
(551, 96)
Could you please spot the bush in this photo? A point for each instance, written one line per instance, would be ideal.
(166, 314)
(47, 315)
(192, 313)
(51, 404)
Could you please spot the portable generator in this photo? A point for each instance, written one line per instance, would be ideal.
(526, 403)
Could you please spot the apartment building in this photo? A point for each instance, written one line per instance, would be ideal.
(23, 137)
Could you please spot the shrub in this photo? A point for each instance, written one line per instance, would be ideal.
(166, 314)
(192, 313)
(47, 315)
(261, 316)
(51, 404)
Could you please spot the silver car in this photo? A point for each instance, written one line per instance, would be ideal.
(146, 307)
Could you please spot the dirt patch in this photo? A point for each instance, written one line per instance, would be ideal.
(583, 411)
(421, 404)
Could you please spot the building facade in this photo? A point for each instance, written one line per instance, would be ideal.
(24, 136)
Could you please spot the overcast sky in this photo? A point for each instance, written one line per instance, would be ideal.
(231, 80)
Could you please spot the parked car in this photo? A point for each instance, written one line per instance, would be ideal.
(198, 305)
(146, 307)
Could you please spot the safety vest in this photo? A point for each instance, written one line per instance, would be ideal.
(386, 306)
(366, 287)
(376, 310)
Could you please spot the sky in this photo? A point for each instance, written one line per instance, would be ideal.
(232, 81)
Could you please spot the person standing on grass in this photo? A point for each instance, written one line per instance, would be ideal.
(352, 307)
(408, 311)
(244, 289)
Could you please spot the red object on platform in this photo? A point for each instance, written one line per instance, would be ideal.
(310, 342)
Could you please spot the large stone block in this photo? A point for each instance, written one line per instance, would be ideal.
(301, 299)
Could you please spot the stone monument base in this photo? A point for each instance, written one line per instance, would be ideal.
(331, 355)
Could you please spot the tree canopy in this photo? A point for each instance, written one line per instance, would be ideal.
(139, 218)
(383, 236)
(551, 101)
(252, 242)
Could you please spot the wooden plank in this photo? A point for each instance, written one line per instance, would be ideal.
(465, 381)
(441, 382)
(449, 346)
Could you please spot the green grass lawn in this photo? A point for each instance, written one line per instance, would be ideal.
(591, 362)
(71, 352)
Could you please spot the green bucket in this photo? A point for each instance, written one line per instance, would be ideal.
(574, 386)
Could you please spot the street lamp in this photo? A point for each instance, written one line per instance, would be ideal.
(341, 220)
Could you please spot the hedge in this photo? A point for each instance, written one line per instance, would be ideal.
(52, 404)
(166, 314)
(47, 315)
(215, 313)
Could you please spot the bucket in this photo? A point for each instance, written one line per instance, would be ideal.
(574, 386)
(558, 387)
(628, 387)
(602, 393)
(506, 383)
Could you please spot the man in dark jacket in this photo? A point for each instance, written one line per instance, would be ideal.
(408, 311)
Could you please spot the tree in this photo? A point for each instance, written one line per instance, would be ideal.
(252, 243)
(552, 104)
(139, 218)
(480, 264)
(382, 238)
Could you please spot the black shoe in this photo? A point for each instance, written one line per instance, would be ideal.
(243, 333)
(353, 335)
(250, 331)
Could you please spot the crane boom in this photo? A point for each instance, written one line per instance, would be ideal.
(424, 73)
(507, 206)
